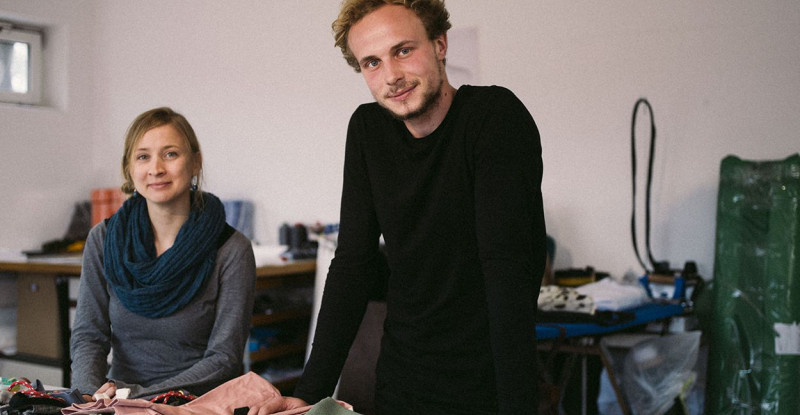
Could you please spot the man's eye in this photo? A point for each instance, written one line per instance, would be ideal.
(404, 51)
(372, 63)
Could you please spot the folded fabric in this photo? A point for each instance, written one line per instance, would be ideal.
(39, 404)
(32, 398)
(248, 390)
(608, 294)
(70, 396)
(564, 299)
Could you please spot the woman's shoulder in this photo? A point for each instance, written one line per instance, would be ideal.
(235, 244)
(236, 258)
(237, 239)
(97, 234)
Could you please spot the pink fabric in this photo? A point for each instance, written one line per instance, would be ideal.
(246, 390)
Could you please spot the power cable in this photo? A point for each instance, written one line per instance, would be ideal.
(653, 262)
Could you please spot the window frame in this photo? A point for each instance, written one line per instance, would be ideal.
(9, 33)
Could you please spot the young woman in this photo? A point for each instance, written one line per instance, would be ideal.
(166, 285)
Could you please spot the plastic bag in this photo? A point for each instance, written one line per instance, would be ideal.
(657, 371)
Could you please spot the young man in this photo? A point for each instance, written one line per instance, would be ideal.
(451, 179)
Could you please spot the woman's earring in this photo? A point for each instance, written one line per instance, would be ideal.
(194, 184)
(135, 193)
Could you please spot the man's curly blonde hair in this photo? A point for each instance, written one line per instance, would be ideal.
(433, 14)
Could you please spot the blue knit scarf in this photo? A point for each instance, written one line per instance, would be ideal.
(152, 286)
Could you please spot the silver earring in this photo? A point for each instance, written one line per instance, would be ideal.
(194, 184)
(135, 193)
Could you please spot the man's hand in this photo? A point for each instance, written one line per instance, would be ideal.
(277, 405)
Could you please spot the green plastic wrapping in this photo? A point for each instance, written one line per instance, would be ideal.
(754, 338)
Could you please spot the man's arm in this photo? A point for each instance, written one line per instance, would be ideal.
(511, 243)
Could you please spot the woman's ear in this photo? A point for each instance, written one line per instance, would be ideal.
(198, 163)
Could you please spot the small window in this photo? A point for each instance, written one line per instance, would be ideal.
(20, 65)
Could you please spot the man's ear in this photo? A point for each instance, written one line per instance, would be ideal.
(440, 46)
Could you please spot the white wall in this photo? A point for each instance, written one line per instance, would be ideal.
(270, 97)
(43, 163)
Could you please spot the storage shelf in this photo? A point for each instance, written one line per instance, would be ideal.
(278, 350)
(263, 319)
(295, 273)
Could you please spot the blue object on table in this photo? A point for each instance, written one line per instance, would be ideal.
(646, 313)
(239, 214)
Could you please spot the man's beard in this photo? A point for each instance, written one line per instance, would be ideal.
(428, 101)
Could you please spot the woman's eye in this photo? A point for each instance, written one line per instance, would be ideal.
(141, 157)
(171, 154)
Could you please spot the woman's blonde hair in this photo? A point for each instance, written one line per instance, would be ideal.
(433, 14)
(145, 122)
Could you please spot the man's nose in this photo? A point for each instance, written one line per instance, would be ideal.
(392, 72)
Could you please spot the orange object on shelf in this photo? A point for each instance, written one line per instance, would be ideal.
(105, 203)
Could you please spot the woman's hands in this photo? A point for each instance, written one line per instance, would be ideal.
(284, 403)
(107, 391)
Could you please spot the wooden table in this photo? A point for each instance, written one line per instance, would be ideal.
(43, 293)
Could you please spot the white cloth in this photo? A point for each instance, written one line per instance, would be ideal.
(269, 254)
(608, 294)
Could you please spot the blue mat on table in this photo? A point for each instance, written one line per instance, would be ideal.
(643, 314)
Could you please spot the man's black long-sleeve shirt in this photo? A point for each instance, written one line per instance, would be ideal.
(461, 215)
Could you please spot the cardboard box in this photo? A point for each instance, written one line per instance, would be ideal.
(38, 327)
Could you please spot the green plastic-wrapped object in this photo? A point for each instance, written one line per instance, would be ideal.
(754, 339)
